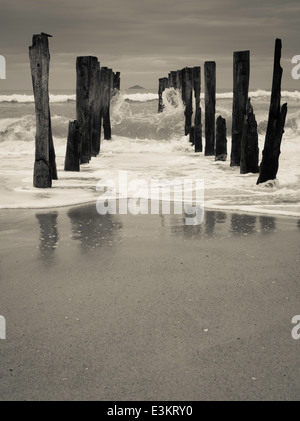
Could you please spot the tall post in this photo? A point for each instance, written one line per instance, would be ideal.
(162, 85)
(198, 124)
(188, 97)
(105, 87)
(95, 104)
(44, 166)
(210, 106)
(241, 73)
(275, 129)
(86, 70)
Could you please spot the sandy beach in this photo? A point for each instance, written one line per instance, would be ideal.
(123, 307)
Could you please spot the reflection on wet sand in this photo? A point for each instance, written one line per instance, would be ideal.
(92, 229)
(243, 224)
(48, 235)
(267, 224)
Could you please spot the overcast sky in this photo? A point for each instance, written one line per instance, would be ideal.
(145, 39)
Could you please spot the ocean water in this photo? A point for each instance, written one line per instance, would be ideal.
(148, 146)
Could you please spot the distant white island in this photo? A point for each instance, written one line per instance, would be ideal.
(136, 87)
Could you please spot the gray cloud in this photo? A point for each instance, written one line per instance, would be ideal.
(147, 38)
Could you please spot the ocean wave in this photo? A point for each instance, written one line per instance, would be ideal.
(140, 97)
(25, 98)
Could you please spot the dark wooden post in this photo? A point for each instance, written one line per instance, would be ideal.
(210, 106)
(172, 79)
(73, 152)
(198, 124)
(86, 70)
(221, 140)
(241, 72)
(44, 166)
(187, 79)
(275, 129)
(116, 82)
(95, 104)
(249, 145)
(179, 80)
(192, 136)
(162, 85)
(105, 87)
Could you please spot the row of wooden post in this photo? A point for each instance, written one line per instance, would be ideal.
(95, 87)
(244, 147)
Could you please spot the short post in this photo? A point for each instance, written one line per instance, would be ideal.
(210, 106)
(275, 129)
(241, 72)
(192, 135)
(198, 124)
(162, 85)
(221, 140)
(73, 152)
(179, 80)
(249, 145)
(44, 166)
(117, 82)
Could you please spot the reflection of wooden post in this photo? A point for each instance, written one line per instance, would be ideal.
(198, 124)
(210, 106)
(162, 85)
(275, 129)
(73, 152)
(249, 144)
(241, 71)
(44, 165)
(221, 140)
(187, 81)
(105, 88)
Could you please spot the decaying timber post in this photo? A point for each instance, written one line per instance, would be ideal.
(275, 129)
(73, 152)
(162, 85)
(187, 87)
(241, 72)
(198, 124)
(85, 67)
(95, 105)
(116, 82)
(249, 144)
(44, 166)
(179, 80)
(210, 106)
(106, 95)
(221, 140)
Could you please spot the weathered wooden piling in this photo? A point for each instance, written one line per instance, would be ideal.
(179, 80)
(172, 82)
(187, 86)
(162, 85)
(249, 143)
(73, 152)
(241, 73)
(192, 135)
(210, 106)
(221, 140)
(116, 82)
(197, 123)
(44, 166)
(275, 129)
(85, 75)
(105, 112)
(95, 104)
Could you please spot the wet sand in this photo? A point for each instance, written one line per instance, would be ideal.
(146, 308)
